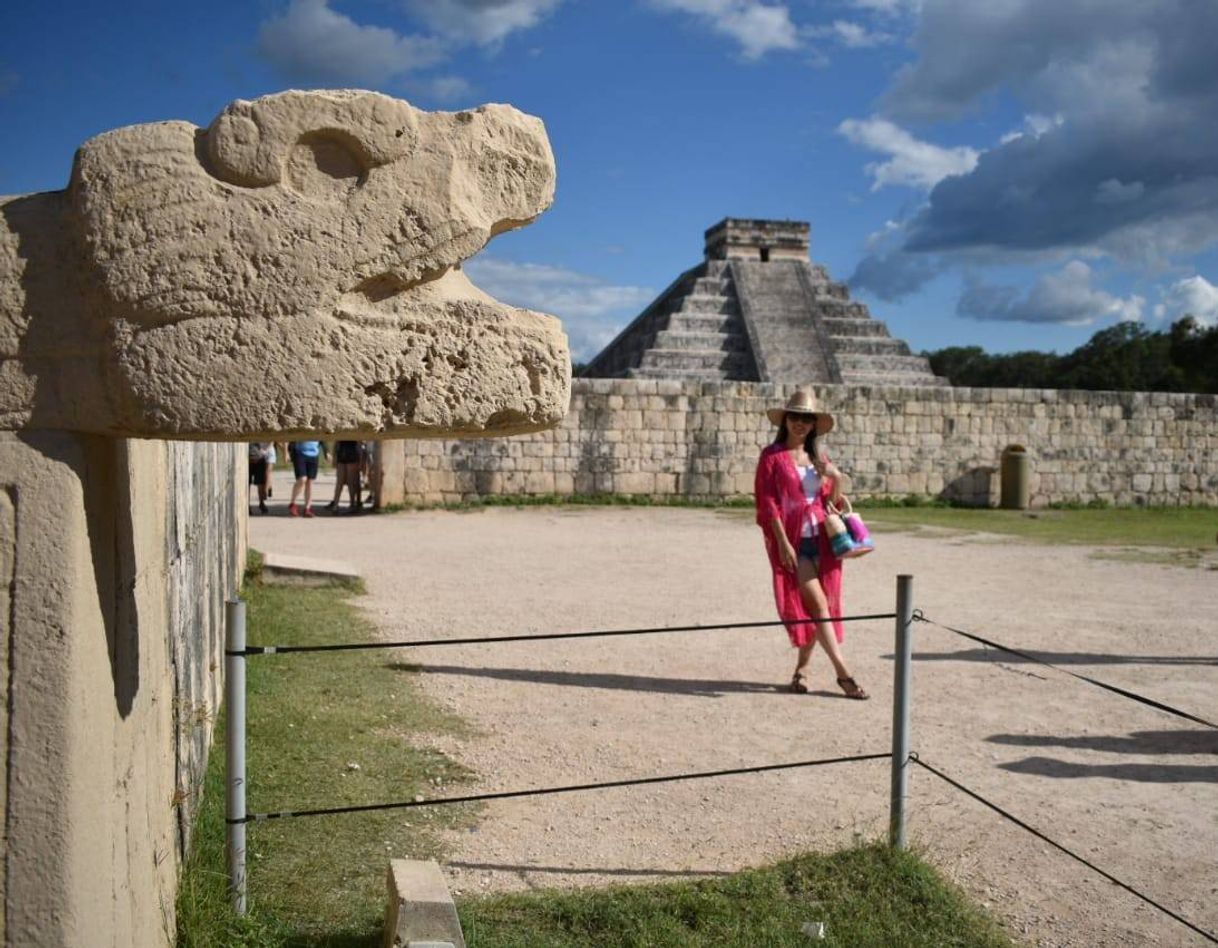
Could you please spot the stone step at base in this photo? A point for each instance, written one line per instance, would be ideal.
(854, 326)
(893, 378)
(869, 345)
(695, 303)
(705, 322)
(900, 364)
(681, 359)
(706, 341)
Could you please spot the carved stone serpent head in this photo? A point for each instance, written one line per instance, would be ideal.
(293, 268)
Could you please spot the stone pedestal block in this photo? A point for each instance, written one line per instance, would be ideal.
(420, 908)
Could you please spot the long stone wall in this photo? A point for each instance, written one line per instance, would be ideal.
(700, 440)
(117, 558)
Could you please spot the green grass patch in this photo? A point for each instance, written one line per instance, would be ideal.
(318, 880)
(1175, 527)
(868, 895)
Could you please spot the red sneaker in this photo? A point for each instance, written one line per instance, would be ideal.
(293, 510)
(308, 511)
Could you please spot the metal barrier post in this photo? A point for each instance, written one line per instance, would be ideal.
(234, 700)
(900, 713)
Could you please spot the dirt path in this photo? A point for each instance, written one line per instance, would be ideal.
(1128, 787)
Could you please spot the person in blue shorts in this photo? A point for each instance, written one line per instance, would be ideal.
(304, 456)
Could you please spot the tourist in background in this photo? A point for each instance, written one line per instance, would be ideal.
(272, 455)
(304, 456)
(258, 475)
(794, 480)
(347, 463)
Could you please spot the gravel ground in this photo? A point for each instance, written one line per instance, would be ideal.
(1124, 785)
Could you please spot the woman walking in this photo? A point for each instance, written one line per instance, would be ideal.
(793, 481)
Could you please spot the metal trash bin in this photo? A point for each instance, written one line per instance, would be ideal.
(1015, 490)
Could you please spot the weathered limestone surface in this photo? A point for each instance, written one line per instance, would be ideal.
(293, 268)
(117, 556)
(701, 440)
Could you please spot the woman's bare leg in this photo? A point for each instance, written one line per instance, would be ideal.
(801, 660)
(340, 478)
(818, 608)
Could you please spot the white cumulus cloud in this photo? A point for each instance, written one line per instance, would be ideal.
(889, 7)
(592, 310)
(482, 22)
(312, 43)
(851, 35)
(1066, 297)
(758, 27)
(1193, 296)
(912, 162)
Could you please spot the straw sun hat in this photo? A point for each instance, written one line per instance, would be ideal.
(802, 403)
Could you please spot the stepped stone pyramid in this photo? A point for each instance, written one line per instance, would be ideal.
(758, 310)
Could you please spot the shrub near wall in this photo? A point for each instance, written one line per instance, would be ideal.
(700, 441)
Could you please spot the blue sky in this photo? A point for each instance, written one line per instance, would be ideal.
(1013, 174)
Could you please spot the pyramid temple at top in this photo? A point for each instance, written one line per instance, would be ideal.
(758, 310)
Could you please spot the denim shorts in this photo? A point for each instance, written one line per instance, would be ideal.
(304, 466)
(809, 549)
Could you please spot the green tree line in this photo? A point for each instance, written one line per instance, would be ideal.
(1124, 357)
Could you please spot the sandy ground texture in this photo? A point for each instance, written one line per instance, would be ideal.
(1129, 787)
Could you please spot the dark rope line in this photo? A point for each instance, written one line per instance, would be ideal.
(545, 791)
(918, 617)
(538, 636)
(1209, 936)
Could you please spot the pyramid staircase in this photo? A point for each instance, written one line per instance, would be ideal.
(693, 331)
(760, 320)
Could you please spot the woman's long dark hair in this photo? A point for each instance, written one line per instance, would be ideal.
(809, 441)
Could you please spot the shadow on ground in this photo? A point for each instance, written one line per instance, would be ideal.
(1141, 773)
(523, 869)
(701, 687)
(1138, 742)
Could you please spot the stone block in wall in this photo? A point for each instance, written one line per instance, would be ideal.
(637, 482)
(488, 483)
(539, 482)
(415, 481)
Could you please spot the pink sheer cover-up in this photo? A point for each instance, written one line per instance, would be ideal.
(778, 492)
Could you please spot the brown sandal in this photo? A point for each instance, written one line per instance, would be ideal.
(852, 689)
(797, 686)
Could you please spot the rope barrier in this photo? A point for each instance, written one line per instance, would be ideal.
(1209, 936)
(1133, 695)
(538, 636)
(545, 791)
